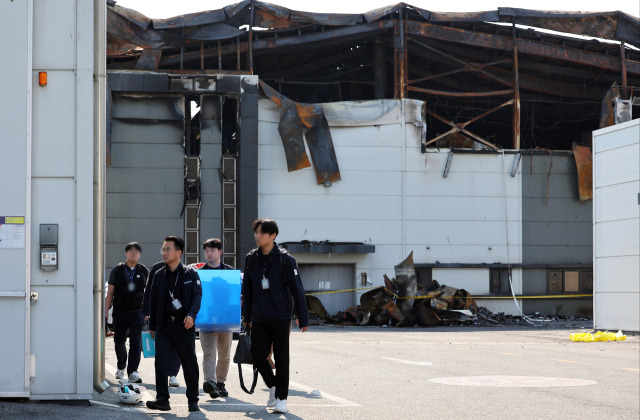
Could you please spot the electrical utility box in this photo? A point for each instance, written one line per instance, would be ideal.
(46, 199)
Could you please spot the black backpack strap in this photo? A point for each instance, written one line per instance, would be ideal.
(253, 384)
(283, 264)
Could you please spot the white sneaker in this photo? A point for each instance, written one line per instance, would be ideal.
(271, 402)
(120, 374)
(134, 378)
(281, 406)
(173, 382)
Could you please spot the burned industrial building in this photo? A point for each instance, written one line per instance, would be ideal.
(463, 137)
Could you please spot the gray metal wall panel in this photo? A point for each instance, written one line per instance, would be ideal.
(557, 233)
(151, 231)
(210, 180)
(145, 185)
(210, 156)
(167, 181)
(210, 228)
(211, 206)
(154, 132)
(339, 276)
(145, 205)
(210, 160)
(560, 232)
(534, 282)
(147, 155)
(559, 209)
(559, 307)
(147, 107)
(557, 254)
(560, 185)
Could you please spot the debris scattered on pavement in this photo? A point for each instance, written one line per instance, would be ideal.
(402, 301)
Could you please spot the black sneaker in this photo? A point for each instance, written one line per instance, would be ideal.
(158, 405)
(193, 406)
(222, 390)
(210, 388)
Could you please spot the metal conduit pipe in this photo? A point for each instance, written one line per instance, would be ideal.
(99, 151)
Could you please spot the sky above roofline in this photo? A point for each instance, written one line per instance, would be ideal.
(159, 9)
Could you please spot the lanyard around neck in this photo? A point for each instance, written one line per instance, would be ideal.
(171, 292)
(130, 275)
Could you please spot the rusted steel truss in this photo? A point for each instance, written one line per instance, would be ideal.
(459, 60)
(461, 127)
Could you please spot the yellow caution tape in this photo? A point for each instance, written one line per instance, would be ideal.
(461, 297)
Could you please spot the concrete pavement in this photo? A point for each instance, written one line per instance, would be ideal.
(444, 373)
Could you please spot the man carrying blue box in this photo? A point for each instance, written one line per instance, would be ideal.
(270, 287)
(212, 342)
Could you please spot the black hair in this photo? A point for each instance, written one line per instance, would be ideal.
(178, 242)
(268, 226)
(133, 245)
(212, 243)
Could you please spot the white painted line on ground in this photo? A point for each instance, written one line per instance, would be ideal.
(221, 404)
(408, 362)
(104, 404)
(343, 402)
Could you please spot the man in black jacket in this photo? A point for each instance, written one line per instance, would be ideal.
(270, 286)
(126, 290)
(174, 303)
(174, 365)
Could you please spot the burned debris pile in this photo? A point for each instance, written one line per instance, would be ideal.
(402, 301)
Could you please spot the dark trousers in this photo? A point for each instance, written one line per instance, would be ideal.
(132, 322)
(263, 336)
(173, 338)
(174, 364)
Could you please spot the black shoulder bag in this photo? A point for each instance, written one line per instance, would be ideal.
(243, 356)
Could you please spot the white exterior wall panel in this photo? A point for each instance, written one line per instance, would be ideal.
(47, 160)
(461, 218)
(616, 227)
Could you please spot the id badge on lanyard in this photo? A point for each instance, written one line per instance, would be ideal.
(131, 285)
(175, 302)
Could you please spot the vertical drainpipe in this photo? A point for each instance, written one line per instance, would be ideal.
(99, 151)
(27, 216)
(516, 89)
(403, 138)
(251, 37)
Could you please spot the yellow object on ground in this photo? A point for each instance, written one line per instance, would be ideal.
(599, 336)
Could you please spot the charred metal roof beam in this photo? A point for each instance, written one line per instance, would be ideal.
(504, 43)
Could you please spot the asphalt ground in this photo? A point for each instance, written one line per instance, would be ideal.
(412, 373)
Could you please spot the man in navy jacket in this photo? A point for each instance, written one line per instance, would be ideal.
(270, 287)
(174, 303)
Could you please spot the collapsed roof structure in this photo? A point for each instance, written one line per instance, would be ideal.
(507, 78)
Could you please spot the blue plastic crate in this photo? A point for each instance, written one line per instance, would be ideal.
(220, 307)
